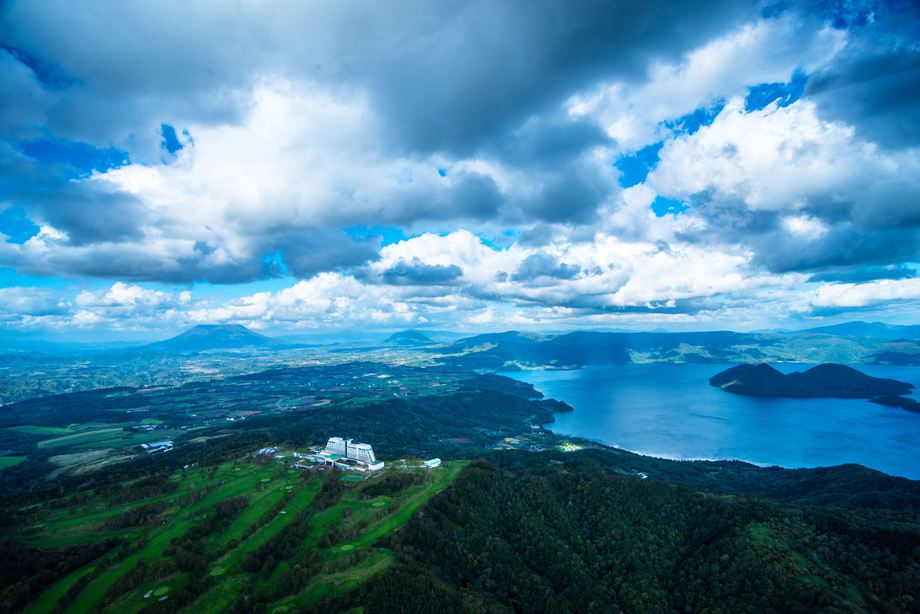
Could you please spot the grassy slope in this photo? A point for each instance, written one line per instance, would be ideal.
(157, 543)
(83, 524)
(47, 600)
(10, 461)
(339, 581)
(264, 487)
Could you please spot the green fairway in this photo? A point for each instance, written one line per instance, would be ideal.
(82, 437)
(48, 599)
(10, 461)
(265, 503)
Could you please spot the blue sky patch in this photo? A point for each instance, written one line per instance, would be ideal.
(500, 241)
(15, 224)
(389, 234)
(171, 142)
(83, 158)
(662, 205)
(785, 94)
(273, 265)
(11, 278)
(691, 122)
(635, 168)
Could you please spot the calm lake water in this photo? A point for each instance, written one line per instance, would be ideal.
(671, 411)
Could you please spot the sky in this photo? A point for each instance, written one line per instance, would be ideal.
(467, 165)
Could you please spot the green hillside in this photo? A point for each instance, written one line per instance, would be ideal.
(240, 534)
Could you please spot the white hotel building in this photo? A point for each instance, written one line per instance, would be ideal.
(351, 455)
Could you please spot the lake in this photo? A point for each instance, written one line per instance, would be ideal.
(671, 411)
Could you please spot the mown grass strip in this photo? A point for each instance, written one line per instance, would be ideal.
(10, 461)
(91, 597)
(223, 594)
(75, 438)
(50, 597)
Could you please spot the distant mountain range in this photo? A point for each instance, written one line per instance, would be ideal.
(828, 380)
(511, 350)
(210, 337)
(854, 342)
(875, 330)
(515, 350)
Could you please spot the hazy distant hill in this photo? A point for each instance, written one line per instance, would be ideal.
(510, 350)
(213, 337)
(504, 350)
(822, 381)
(876, 330)
(408, 338)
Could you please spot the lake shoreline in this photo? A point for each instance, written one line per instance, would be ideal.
(626, 407)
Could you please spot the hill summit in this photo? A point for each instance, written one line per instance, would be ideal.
(213, 337)
(409, 337)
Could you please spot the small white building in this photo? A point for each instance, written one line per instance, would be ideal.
(155, 447)
(431, 464)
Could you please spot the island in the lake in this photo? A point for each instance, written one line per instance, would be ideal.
(828, 380)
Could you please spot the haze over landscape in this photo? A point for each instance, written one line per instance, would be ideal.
(459, 306)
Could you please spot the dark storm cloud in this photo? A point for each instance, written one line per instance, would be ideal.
(419, 274)
(873, 219)
(445, 76)
(481, 67)
(88, 213)
(543, 265)
(465, 194)
(311, 251)
(21, 98)
(567, 186)
(842, 244)
(113, 72)
(546, 140)
(302, 257)
(875, 84)
(571, 193)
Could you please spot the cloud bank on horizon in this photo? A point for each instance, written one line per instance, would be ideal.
(465, 164)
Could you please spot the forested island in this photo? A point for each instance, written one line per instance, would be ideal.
(827, 380)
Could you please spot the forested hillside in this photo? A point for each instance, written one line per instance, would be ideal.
(574, 537)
